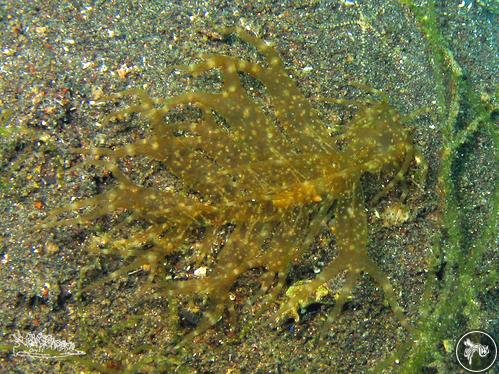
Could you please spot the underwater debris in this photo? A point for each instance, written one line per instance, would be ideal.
(275, 180)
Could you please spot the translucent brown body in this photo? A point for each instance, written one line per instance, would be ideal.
(277, 180)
